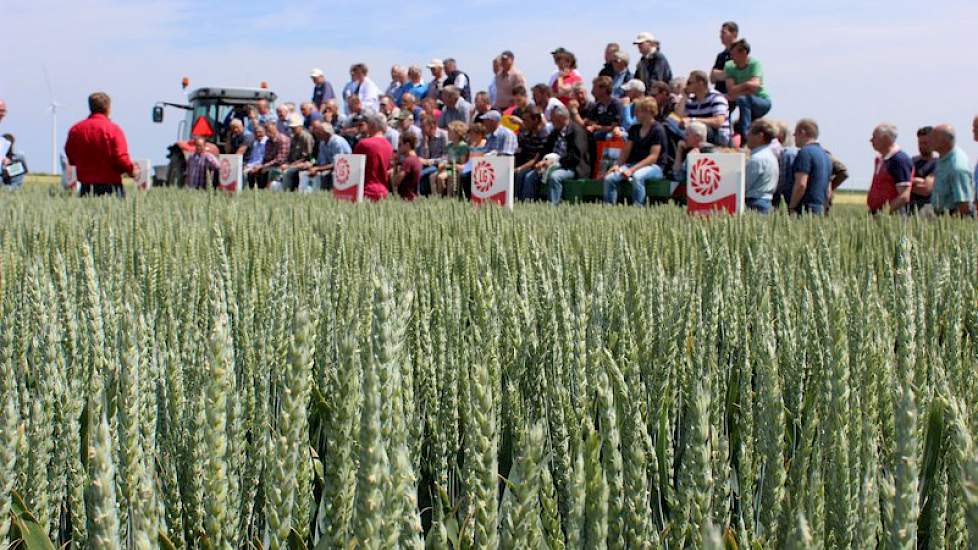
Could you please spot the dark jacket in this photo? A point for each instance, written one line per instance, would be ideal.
(578, 156)
(653, 68)
(466, 90)
(607, 70)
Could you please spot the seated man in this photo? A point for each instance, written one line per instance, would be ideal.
(762, 167)
(634, 90)
(456, 108)
(309, 113)
(568, 143)
(694, 141)
(499, 139)
(276, 154)
(330, 145)
(300, 153)
(643, 155)
(240, 141)
(431, 151)
(200, 165)
(406, 125)
(745, 86)
(923, 166)
(530, 144)
(482, 106)
(256, 154)
(709, 107)
(602, 117)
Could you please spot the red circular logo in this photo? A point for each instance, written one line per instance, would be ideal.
(484, 176)
(705, 177)
(342, 171)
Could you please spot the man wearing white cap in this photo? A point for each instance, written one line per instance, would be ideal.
(322, 90)
(438, 79)
(634, 89)
(652, 65)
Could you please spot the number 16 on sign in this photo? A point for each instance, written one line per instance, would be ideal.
(492, 181)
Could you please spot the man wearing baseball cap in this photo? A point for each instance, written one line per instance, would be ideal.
(437, 68)
(322, 90)
(652, 65)
(633, 90)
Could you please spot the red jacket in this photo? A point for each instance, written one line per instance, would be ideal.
(97, 147)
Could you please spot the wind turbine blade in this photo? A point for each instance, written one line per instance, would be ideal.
(47, 82)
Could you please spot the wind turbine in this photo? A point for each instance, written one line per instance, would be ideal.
(53, 107)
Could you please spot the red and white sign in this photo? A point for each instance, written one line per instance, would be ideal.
(492, 181)
(69, 179)
(715, 181)
(348, 173)
(145, 179)
(231, 173)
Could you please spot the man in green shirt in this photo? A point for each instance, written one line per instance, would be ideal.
(954, 190)
(745, 86)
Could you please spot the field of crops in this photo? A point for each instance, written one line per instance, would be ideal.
(280, 371)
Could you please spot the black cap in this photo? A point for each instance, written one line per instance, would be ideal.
(560, 51)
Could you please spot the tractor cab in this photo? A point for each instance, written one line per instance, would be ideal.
(209, 113)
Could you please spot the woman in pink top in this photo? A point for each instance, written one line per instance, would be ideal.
(566, 75)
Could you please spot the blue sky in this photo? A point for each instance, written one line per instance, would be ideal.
(848, 64)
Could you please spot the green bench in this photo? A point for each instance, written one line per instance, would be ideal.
(593, 190)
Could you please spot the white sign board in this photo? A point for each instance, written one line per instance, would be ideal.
(715, 181)
(145, 179)
(232, 173)
(348, 172)
(69, 179)
(492, 181)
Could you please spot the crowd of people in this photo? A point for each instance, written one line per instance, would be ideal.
(420, 134)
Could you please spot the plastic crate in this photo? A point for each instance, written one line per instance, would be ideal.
(583, 190)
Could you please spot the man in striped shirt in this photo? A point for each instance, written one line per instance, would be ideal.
(709, 107)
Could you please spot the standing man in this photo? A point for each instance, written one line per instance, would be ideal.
(609, 58)
(892, 174)
(954, 189)
(398, 78)
(438, 78)
(507, 78)
(620, 74)
(322, 91)
(762, 167)
(360, 85)
(729, 32)
(379, 153)
(924, 165)
(812, 169)
(652, 65)
(200, 165)
(97, 147)
(458, 79)
(745, 86)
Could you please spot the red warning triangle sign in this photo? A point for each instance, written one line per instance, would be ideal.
(202, 127)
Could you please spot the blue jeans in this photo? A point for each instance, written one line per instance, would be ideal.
(526, 189)
(751, 108)
(555, 183)
(425, 182)
(613, 181)
(761, 206)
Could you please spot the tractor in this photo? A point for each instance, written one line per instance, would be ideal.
(208, 114)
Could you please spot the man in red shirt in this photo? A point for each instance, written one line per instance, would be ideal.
(892, 174)
(97, 147)
(378, 152)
